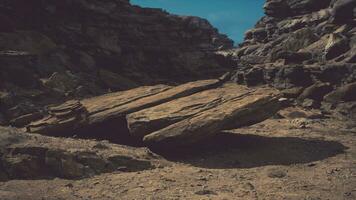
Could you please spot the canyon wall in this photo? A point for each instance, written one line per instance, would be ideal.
(306, 48)
(51, 50)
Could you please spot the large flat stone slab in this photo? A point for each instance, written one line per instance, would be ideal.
(152, 119)
(242, 110)
(97, 115)
(71, 116)
(162, 114)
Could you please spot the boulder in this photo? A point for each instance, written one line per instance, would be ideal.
(342, 94)
(292, 92)
(316, 91)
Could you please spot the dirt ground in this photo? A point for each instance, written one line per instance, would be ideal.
(279, 159)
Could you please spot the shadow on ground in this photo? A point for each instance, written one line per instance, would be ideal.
(228, 150)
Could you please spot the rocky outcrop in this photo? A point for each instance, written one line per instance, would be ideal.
(70, 116)
(161, 114)
(32, 156)
(52, 51)
(305, 46)
(241, 110)
(152, 119)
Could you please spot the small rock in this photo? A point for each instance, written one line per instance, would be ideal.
(205, 192)
(344, 93)
(316, 92)
(300, 123)
(292, 92)
(70, 185)
(310, 103)
(311, 164)
(276, 173)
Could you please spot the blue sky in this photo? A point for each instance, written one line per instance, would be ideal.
(232, 17)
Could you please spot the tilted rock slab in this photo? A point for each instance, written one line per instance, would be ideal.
(152, 119)
(183, 114)
(71, 116)
(241, 110)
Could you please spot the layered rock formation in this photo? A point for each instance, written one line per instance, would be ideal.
(51, 51)
(54, 51)
(161, 115)
(304, 47)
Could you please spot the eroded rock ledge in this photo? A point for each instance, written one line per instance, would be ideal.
(32, 156)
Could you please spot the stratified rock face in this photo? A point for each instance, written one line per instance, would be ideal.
(162, 115)
(58, 50)
(301, 44)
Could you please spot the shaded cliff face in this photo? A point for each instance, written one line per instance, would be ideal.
(53, 50)
(305, 46)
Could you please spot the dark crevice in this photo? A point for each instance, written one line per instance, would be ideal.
(114, 130)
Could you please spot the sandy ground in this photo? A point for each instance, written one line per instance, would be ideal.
(279, 159)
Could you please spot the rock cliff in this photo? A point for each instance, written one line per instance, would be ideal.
(306, 48)
(56, 50)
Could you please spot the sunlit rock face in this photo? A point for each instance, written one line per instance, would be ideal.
(284, 8)
(301, 44)
(57, 50)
